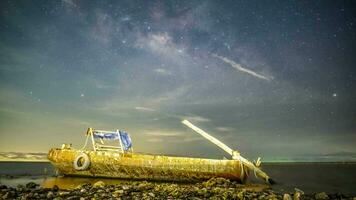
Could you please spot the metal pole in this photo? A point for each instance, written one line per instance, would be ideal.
(235, 154)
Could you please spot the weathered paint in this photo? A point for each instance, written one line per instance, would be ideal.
(142, 166)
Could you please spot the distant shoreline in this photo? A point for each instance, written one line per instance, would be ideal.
(24, 161)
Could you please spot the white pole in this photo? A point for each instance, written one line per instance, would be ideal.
(209, 137)
(235, 155)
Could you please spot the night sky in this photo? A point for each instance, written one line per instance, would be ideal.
(274, 79)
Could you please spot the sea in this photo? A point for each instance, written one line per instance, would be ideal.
(309, 177)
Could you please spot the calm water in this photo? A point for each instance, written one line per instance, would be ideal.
(309, 177)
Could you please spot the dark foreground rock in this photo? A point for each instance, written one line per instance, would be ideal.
(217, 188)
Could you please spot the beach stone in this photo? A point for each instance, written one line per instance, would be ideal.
(297, 196)
(321, 196)
(99, 184)
(287, 197)
(63, 193)
(50, 195)
(31, 185)
(55, 188)
(73, 198)
(151, 194)
(7, 195)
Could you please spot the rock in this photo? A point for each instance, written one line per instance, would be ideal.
(3, 187)
(297, 196)
(7, 195)
(31, 185)
(118, 193)
(213, 182)
(73, 198)
(272, 197)
(63, 193)
(151, 194)
(298, 193)
(241, 194)
(321, 196)
(50, 195)
(99, 184)
(287, 197)
(55, 188)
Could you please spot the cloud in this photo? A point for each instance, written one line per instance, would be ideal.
(163, 133)
(242, 69)
(224, 129)
(162, 71)
(197, 119)
(144, 109)
(155, 140)
(70, 3)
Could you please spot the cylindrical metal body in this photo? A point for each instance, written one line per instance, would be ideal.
(151, 167)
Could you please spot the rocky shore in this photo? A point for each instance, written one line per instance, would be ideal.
(216, 188)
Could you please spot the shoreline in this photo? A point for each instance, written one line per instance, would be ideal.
(215, 188)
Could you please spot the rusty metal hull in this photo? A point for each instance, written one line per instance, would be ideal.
(149, 167)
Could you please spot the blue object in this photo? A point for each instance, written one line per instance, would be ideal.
(106, 136)
(126, 140)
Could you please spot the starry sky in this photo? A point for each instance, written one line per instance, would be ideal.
(274, 79)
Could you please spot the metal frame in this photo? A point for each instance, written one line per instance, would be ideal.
(102, 146)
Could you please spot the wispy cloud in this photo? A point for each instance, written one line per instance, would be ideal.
(240, 68)
(144, 109)
(162, 71)
(224, 129)
(163, 133)
(197, 118)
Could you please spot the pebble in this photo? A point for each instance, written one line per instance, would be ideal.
(297, 195)
(50, 195)
(321, 196)
(287, 197)
(55, 188)
(31, 185)
(99, 184)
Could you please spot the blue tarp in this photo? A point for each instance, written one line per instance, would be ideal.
(126, 140)
(106, 136)
(124, 136)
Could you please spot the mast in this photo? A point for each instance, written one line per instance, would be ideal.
(234, 154)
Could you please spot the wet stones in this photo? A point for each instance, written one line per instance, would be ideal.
(211, 189)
